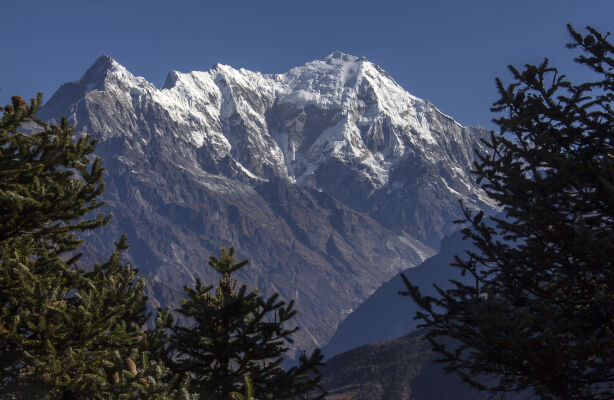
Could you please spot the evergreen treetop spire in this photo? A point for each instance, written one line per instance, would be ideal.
(225, 265)
(236, 337)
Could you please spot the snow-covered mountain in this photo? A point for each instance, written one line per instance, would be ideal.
(330, 178)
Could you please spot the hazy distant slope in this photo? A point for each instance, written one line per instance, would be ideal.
(386, 314)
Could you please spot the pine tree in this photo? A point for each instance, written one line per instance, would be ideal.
(540, 314)
(238, 336)
(65, 332)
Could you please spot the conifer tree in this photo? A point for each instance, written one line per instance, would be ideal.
(539, 316)
(65, 332)
(234, 337)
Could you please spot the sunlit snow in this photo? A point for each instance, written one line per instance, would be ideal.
(205, 104)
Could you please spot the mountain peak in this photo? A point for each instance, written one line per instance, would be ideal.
(338, 55)
(97, 72)
(104, 59)
(171, 80)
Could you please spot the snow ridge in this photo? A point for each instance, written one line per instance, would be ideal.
(359, 90)
(341, 116)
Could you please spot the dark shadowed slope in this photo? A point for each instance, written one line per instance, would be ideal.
(398, 369)
(386, 314)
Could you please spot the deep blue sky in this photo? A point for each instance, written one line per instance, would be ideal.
(446, 51)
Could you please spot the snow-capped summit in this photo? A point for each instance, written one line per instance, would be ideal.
(94, 77)
(341, 113)
(339, 78)
(330, 172)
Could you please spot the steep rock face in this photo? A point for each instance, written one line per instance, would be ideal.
(329, 178)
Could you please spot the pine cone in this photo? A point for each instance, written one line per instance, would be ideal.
(130, 366)
(144, 382)
(18, 102)
(9, 109)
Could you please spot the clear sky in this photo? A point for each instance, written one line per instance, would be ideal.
(446, 51)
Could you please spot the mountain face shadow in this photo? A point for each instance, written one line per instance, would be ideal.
(400, 369)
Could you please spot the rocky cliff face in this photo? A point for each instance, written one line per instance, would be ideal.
(330, 178)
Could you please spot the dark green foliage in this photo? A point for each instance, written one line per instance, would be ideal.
(236, 335)
(65, 332)
(68, 332)
(540, 315)
(47, 182)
